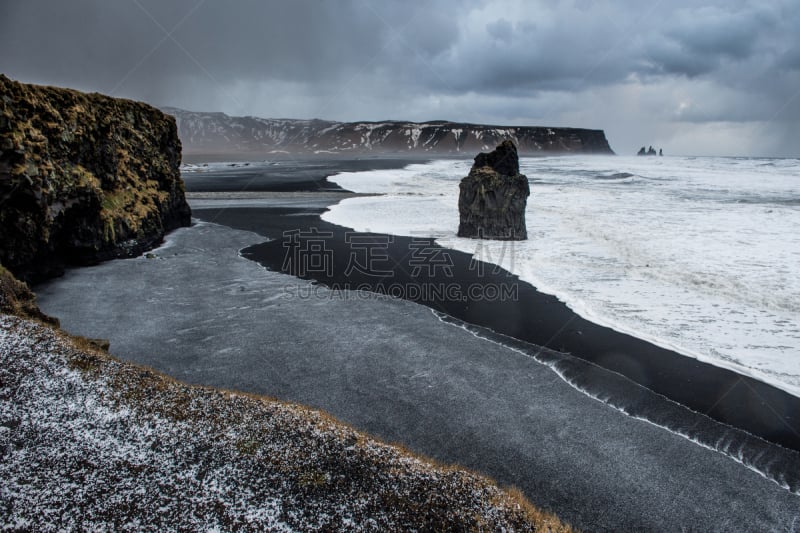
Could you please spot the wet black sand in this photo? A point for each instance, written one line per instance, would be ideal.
(285, 175)
(535, 318)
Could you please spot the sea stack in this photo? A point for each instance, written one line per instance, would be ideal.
(492, 198)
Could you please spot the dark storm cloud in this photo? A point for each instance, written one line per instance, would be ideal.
(566, 46)
(700, 41)
(510, 54)
(194, 51)
(100, 42)
(490, 60)
(530, 45)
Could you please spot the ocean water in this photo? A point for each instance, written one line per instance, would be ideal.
(700, 255)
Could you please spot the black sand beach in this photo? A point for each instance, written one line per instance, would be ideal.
(386, 367)
(527, 315)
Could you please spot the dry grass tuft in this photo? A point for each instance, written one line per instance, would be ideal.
(17, 299)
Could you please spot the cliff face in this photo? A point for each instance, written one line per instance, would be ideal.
(83, 178)
(223, 134)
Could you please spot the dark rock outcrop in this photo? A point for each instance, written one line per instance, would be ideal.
(218, 133)
(492, 198)
(649, 151)
(83, 178)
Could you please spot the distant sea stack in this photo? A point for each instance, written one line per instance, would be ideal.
(493, 197)
(83, 178)
(650, 151)
(218, 133)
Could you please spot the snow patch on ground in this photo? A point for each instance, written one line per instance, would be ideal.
(89, 442)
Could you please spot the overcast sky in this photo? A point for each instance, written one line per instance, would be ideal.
(704, 78)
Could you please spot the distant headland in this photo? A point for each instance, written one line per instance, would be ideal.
(203, 133)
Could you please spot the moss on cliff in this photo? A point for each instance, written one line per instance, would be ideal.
(16, 298)
(83, 178)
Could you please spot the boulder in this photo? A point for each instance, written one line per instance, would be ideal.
(493, 197)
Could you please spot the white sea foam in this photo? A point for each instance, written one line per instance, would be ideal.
(699, 255)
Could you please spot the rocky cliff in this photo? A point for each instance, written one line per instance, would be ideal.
(493, 197)
(222, 134)
(83, 178)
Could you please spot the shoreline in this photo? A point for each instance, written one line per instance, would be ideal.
(630, 264)
(726, 396)
(536, 318)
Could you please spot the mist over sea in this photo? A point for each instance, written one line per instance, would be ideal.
(697, 254)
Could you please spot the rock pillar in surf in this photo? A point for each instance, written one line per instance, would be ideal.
(492, 198)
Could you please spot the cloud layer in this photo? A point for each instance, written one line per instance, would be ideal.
(719, 78)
